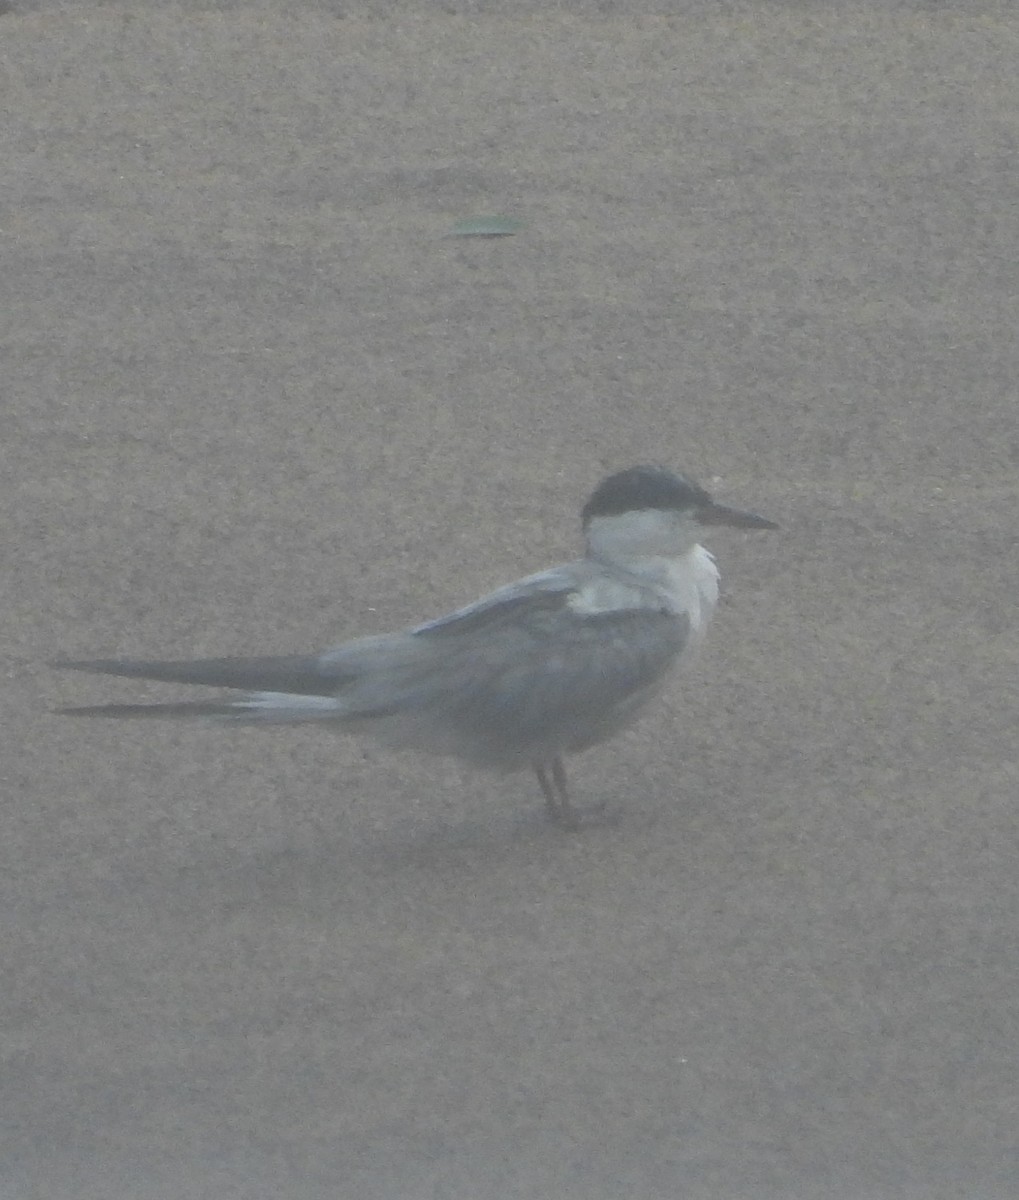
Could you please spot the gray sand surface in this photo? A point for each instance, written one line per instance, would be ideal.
(255, 400)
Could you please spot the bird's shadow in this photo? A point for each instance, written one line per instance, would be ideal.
(338, 868)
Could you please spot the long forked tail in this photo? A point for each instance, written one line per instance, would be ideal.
(304, 674)
(262, 708)
(284, 689)
(194, 708)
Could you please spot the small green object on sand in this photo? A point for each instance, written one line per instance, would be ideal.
(486, 227)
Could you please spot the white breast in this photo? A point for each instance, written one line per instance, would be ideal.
(687, 584)
(692, 585)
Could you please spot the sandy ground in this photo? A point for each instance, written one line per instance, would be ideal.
(255, 400)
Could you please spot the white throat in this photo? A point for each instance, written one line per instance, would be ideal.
(650, 533)
(660, 548)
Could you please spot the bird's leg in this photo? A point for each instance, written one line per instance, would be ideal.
(551, 800)
(552, 778)
(566, 813)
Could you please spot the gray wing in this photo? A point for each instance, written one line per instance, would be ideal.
(547, 590)
(528, 676)
(514, 678)
(364, 677)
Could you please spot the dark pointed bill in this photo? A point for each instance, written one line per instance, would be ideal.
(720, 514)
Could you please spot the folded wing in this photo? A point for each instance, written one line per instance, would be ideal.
(515, 678)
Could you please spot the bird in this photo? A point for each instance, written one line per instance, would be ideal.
(544, 667)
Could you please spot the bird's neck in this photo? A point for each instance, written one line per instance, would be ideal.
(688, 582)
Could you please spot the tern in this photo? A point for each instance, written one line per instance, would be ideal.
(544, 667)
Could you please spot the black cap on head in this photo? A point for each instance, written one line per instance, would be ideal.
(640, 488)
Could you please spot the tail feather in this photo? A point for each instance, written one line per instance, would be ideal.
(193, 708)
(262, 708)
(305, 674)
